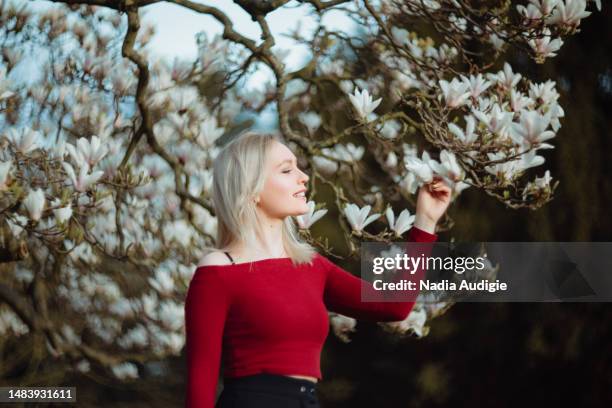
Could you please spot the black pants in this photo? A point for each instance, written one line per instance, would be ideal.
(268, 391)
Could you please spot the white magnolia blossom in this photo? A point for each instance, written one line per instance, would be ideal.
(545, 47)
(569, 12)
(125, 371)
(324, 165)
(358, 217)
(87, 153)
(83, 181)
(70, 335)
(508, 170)
(363, 103)
(413, 323)
(163, 281)
(349, 152)
(450, 170)
(342, 326)
(539, 183)
(58, 150)
(136, 336)
(531, 12)
(495, 40)
(506, 77)
(11, 323)
(83, 366)
(410, 183)
(598, 4)
(390, 129)
(5, 91)
(391, 160)
(455, 92)
(459, 23)
(24, 140)
(332, 67)
(531, 130)
(468, 136)
(122, 307)
(62, 214)
(172, 314)
(542, 182)
(544, 92)
(420, 168)
(518, 101)
(311, 120)
(209, 132)
(496, 120)
(5, 171)
(402, 224)
(545, 6)
(173, 342)
(17, 224)
(448, 167)
(35, 203)
(346, 153)
(476, 84)
(179, 231)
(530, 160)
(305, 221)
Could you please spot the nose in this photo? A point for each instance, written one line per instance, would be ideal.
(304, 179)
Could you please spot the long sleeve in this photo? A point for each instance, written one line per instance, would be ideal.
(343, 289)
(206, 307)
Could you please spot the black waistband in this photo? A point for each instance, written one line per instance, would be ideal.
(272, 383)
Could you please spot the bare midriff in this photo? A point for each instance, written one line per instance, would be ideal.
(304, 377)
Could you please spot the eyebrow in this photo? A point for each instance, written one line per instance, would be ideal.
(284, 161)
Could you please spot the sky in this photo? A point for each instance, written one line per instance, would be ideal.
(176, 27)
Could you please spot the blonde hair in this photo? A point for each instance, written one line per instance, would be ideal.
(238, 177)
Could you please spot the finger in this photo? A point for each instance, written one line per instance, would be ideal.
(441, 184)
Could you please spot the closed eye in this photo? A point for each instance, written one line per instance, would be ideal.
(287, 171)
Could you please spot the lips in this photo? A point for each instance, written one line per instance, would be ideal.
(300, 194)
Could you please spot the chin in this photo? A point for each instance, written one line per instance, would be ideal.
(299, 211)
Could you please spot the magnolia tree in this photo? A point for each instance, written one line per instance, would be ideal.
(105, 165)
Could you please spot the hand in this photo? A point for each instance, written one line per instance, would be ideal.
(432, 201)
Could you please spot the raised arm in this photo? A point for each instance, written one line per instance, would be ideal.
(206, 307)
(343, 289)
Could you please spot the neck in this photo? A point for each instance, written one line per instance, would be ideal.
(269, 245)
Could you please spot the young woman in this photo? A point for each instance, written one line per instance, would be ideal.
(259, 300)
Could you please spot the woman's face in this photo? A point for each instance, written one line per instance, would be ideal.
(284, 192)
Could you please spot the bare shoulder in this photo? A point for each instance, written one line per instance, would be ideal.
(214, 258)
